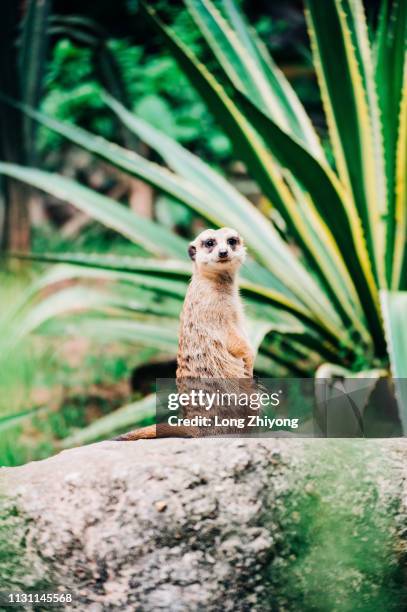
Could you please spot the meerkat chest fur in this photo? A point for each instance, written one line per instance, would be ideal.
(212, 324)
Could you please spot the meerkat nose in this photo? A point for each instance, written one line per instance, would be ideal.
(223, 254)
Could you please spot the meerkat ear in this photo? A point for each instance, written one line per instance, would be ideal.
(192, 251)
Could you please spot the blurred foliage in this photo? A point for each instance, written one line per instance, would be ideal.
(159, 92)
(91, 239)
(157, 88)
(44, 395)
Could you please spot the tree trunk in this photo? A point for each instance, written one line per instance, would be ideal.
(16, 228)
(17, 217)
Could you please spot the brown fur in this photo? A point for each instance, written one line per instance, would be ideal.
(213, 343)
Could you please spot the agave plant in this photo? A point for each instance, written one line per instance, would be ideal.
(348, 217)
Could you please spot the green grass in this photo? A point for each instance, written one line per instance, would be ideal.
(53, 386)
(50, 387)
(18, 366)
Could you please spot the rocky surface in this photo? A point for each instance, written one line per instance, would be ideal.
(211, 525)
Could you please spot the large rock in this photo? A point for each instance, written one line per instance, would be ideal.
(276, 524)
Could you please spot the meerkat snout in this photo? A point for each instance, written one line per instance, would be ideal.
(221, 249)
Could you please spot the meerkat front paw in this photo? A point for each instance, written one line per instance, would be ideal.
(239, 347)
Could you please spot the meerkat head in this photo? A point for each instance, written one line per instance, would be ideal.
(219, 250)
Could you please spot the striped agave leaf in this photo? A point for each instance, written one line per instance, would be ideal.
(138, 304)
(193, 169)
(32, 64)
(345, 72)
(168, 277)
(394, 304)
(349, 69)
(142, 231)
(244, 58)
(323, 186)
(391, 59)
(154, 237)
(211, 196)
(250, 146)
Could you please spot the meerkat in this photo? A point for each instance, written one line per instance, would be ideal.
(213, 341)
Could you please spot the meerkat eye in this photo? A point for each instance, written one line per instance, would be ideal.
(233, 241)
(209, 243)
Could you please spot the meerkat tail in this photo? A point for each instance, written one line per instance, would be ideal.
(151, 432)
(144, 433)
